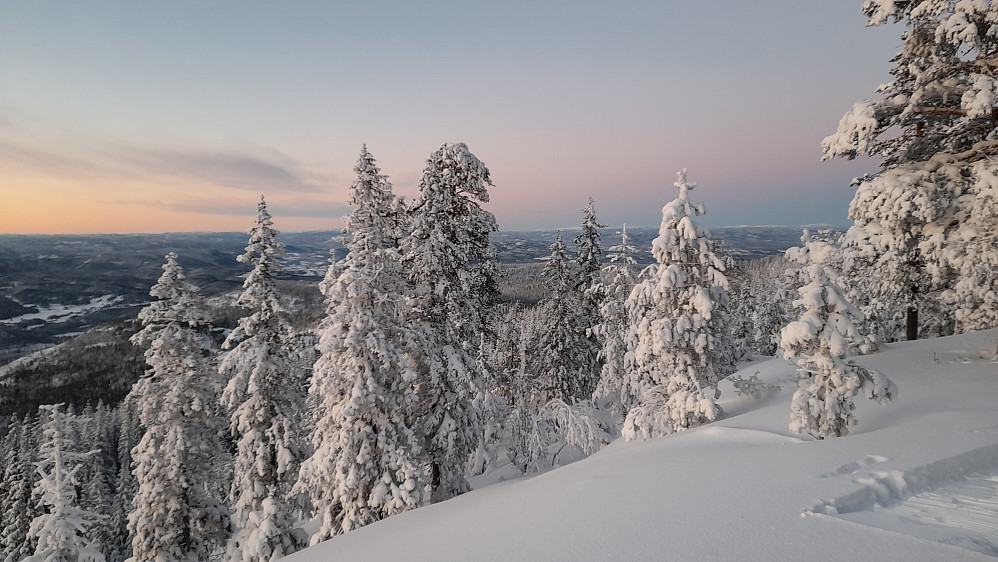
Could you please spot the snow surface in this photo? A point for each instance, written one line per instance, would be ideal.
(64, 312)
(744, 487)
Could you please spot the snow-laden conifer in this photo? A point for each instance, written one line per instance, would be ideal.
(260, 397)
(368, 462)
(178, 513)
(588, 250)
(943, 93)
(566, 351)
(678, 340)
(445, 262)
(62, 531)
(19, 476)
(616, 391)
(972, 251)
(942, 101)
(944, 213)
(120, 547)
(818, 344)
(98, 473)
(447, 252)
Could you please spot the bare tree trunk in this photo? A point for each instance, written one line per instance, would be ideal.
(912, 323)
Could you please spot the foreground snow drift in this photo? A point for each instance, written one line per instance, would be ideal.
(915, 480)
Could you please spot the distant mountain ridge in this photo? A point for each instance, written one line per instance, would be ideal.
(52, 286)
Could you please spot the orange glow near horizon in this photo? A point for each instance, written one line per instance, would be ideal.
(58, 206)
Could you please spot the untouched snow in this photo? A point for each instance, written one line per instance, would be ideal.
(916, 480)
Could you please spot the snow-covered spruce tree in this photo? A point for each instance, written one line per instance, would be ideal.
(566, 351)
(178, 513)
(942, 100)
(678, 342)
(99, 472)
(588, 250)
(369, 462)
(818, 344)
(615, 391)
(743, 312)
(61, 532)
(11, 478)
(19, 476)
(120, 547)
(260, 399)
(443, 259)
(589, 257)
(492, 410)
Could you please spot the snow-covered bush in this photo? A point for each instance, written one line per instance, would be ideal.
(752, 386)
(818, 344)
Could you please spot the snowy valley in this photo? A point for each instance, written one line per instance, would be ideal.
(54, 287)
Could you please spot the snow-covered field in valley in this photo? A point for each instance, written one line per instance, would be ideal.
(916, 479)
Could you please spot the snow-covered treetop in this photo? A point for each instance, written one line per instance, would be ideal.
(454, 166)
(370, 225)
(454, 182)
(590, 254)
(556, 269)
(449, 237)
(177, 302)
(828, 324)
(680, 238)
(172, 283)
(259, 290)
(943, 97)
(621, 255)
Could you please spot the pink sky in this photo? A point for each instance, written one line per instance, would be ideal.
(117, 117)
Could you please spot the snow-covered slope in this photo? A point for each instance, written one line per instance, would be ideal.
(915, 480)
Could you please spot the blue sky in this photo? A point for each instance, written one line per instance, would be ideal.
(144, 116)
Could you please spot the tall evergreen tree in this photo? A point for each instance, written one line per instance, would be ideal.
(444, 259)
(943, 92)
(616, 390)
(566, 362)
(588, 250)
(678, 335)
(933, 126)
(367, 463)
(61, 530)
(99, 471)
(19, 476)
(120, 547)
(178, 512)
(259, 396)
(447, 253)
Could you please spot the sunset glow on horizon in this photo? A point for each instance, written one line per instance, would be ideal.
(118, 117)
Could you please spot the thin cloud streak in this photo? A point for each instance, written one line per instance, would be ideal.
(297, 208)
(78, 158)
